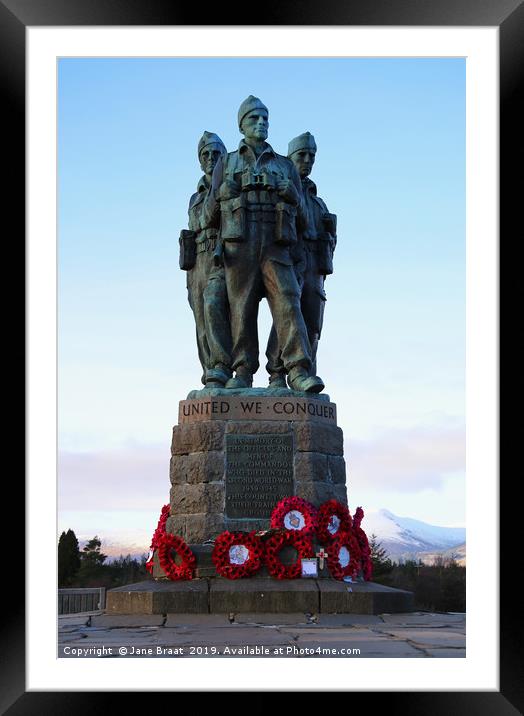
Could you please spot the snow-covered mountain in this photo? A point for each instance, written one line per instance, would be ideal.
(405, 538)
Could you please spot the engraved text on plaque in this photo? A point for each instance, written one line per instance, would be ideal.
(259, 473)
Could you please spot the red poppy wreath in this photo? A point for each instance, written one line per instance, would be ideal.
(343, 556)
(274, 544)
(333, 520)
(237, 554)
(184, 570)
(295, 513)
(157, 536)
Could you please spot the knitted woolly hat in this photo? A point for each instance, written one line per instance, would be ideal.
(303, 141)
(210, 138)
(248, 105)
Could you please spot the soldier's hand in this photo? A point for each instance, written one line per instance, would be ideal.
(287, 190)
(228, 190)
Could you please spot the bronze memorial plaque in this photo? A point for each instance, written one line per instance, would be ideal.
(259, 473)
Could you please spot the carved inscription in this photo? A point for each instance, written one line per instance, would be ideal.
(237, 408)
(259, 473)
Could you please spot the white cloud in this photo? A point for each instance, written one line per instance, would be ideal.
(129, 478)
(410, 460)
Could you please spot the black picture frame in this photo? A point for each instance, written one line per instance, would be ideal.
(508, 16)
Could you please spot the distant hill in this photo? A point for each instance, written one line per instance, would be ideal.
(404, 538)
(116, 544)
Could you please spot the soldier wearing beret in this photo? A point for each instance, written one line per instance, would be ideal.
(257, 193)
(313, 256)
(205, 274)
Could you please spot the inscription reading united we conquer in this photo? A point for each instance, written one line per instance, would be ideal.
(264, 408)
(259, 473)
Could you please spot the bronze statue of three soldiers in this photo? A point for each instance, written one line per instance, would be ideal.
(257, 229)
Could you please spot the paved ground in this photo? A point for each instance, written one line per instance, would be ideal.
(413, 635)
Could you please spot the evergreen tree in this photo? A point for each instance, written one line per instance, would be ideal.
(381, 562)
(68, 558)
(92, 569)
(91, 554)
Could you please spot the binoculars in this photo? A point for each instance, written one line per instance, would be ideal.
(251, 180)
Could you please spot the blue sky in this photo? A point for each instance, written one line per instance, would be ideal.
(390, 164)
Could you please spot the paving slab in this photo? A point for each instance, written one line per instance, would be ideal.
(221, 637)
(340, 641)
(127, 620)
(69, 638)
(203, 620)
(73, 620)
(111, 637)
(338, 620)
(430, 637)
(446, 653)
(70, 629)
(425, 618)
(285, 635)
(261, 618)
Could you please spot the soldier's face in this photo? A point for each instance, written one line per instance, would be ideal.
(255, 125)
(209, 156)
(303, 160)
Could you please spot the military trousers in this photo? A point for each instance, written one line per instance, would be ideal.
(257, 267)
(207, 295)
(312, 303)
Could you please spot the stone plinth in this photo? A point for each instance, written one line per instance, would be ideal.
(256, 595)
(235, 454)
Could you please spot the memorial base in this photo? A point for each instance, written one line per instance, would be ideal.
(257, 595)
(234, 457)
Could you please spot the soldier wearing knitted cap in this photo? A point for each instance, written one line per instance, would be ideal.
(206, 288)
(257, 193)
(313, 256)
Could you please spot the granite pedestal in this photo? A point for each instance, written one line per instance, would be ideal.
(257, 594)
(234, 455)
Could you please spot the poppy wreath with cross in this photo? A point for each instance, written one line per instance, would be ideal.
(174, 571)
(157, 536)
(274, 544)
(306, 510)
(337, 558)
(224, 554)
(333, 520)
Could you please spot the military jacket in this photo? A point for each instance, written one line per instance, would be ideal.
(205, 233)
(244, 189)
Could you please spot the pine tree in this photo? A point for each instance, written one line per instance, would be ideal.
(68, 558)
(91, 554)
(381, 562)
(92, 570)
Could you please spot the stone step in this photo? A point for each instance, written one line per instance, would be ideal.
(257, 595)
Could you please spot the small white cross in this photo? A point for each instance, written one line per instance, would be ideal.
(322, 555)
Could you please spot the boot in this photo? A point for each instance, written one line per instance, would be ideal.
(242, 379)
(299, 380)
(277, 380)
(217, 377)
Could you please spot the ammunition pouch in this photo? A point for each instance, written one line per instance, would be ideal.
(329, 222)
(285, 225)
(327, 242)
(325, 255)
(218, 254)
(233, 219)
(187, 242)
